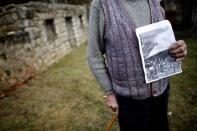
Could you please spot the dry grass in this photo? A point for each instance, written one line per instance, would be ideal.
(67, 98)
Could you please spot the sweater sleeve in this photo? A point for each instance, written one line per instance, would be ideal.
(95, 50)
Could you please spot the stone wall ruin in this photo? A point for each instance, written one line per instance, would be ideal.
(35, 35)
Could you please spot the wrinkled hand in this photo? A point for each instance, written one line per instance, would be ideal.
(112, 102)
(178, 50)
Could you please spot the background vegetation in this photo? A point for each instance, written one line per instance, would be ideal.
(67, 98)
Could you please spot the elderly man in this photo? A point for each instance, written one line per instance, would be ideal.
(114, 59)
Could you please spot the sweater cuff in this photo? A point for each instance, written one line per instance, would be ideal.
(109, 92)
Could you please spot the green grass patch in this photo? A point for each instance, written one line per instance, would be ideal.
(66, 97)
(183, 96)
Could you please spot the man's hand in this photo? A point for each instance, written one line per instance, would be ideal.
(112, 102)
(178, 50)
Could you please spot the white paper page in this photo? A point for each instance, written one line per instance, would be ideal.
(154, 42)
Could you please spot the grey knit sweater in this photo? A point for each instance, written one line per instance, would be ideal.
(96, 55)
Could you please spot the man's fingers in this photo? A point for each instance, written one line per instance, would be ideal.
(180, 59)
(112, 102)
(177, 51)
(115, 109)
(180, 55)
(176, 45)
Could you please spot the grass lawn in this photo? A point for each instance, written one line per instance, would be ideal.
(183, 95)
(66, 97)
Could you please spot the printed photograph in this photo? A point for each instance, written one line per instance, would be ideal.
(155, 40)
